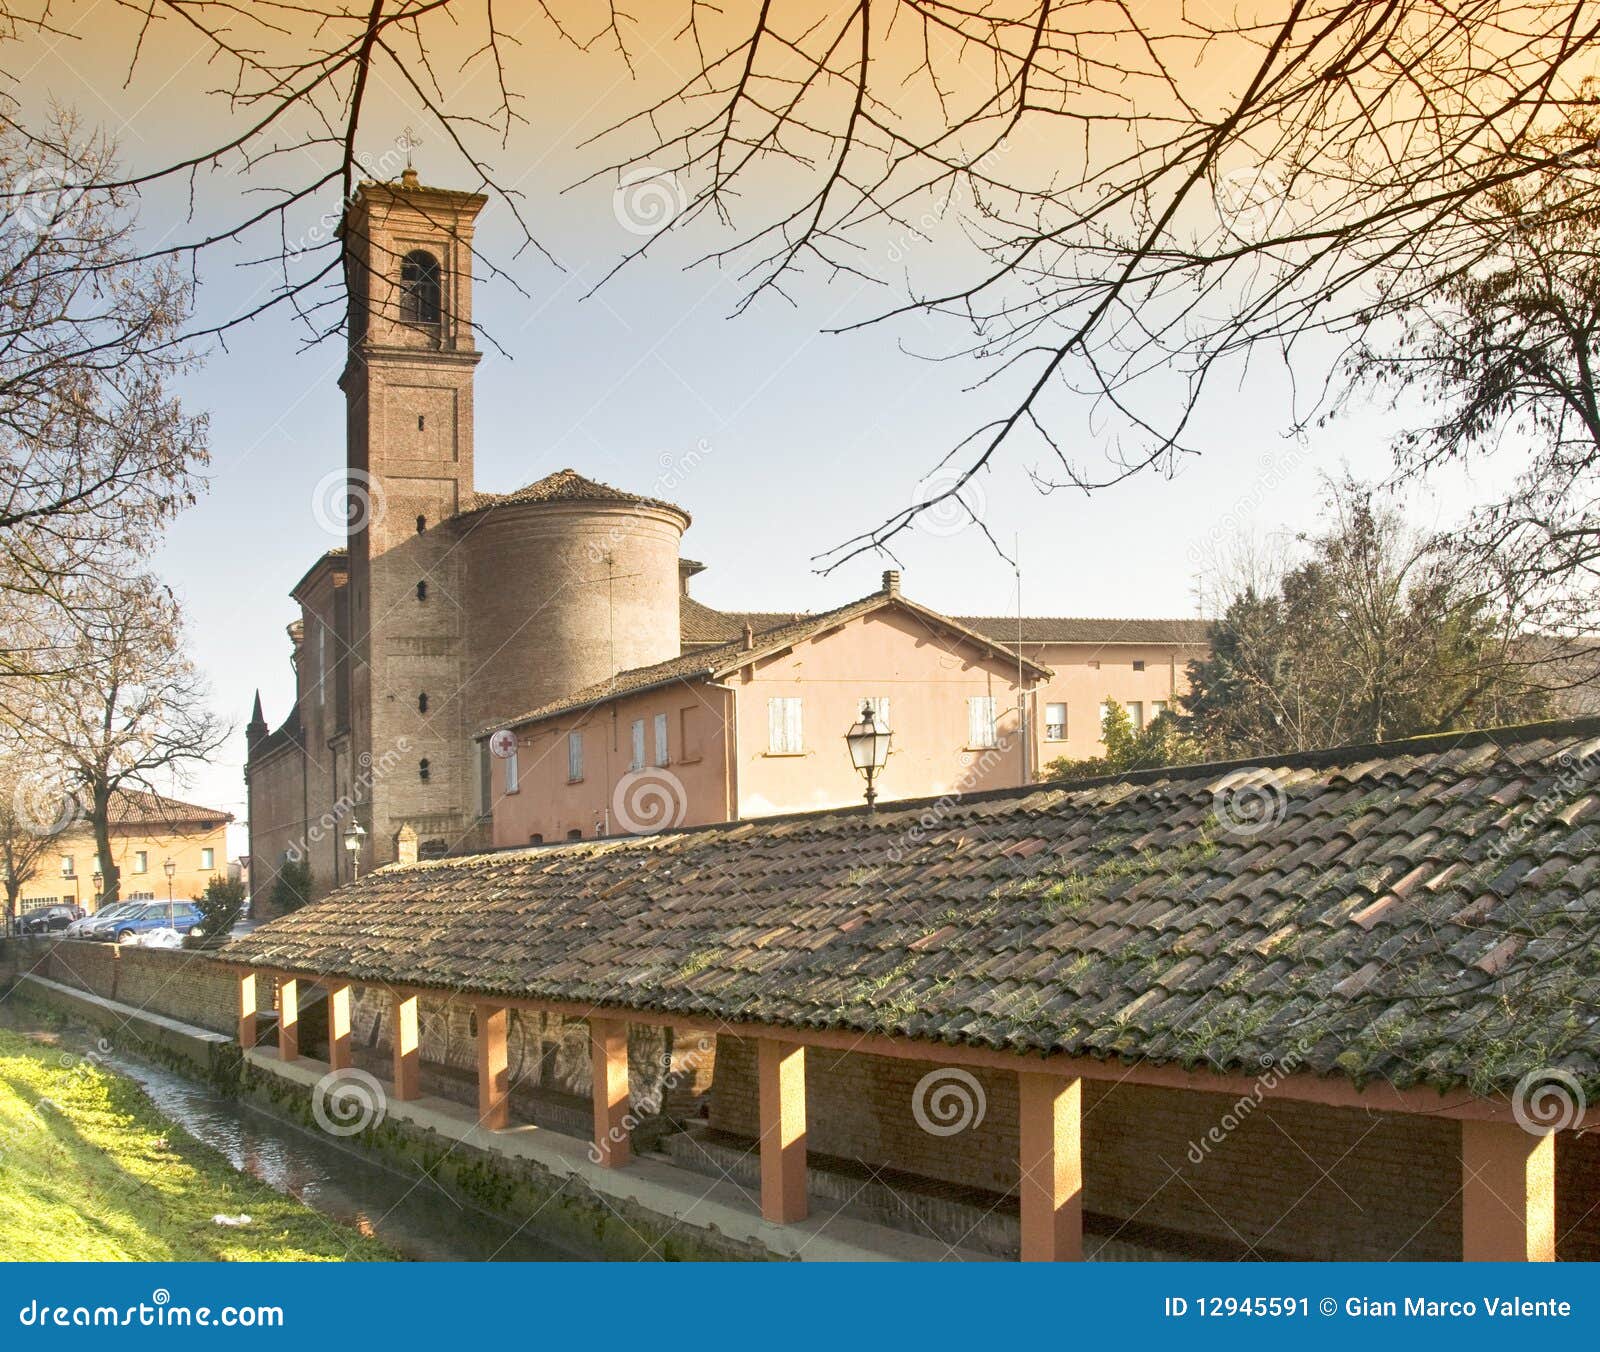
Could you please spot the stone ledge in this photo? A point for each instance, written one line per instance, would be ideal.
(651, 1184)
(212, 1053)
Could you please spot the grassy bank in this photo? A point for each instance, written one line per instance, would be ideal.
(90, 1171)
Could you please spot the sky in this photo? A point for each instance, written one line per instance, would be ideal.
(796, 438)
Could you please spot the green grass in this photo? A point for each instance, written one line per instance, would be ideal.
(90, 1171)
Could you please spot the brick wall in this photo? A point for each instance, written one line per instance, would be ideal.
(543, 1051)
(178, 983)
(1290, 1178)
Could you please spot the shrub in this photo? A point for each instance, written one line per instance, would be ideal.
(292, 888)
(220, 905)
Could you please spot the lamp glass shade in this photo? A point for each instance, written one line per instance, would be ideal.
(868, 741)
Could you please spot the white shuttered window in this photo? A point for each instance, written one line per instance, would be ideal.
(980, 720)
(784, 731)
(662, 757)
(636, 745)
(574, 756)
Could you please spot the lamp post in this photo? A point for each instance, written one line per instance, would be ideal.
(170, 869)
(352, 842)
(99, 882)
(869, 750)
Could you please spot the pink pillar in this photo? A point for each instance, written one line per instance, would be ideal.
(1508, 1194)
(781, 1073)
(407, 1049)
(608, 1068)
(247, 1010)
(288, 1019)
(1050, 1118)
(494, 1076)
(338, 1025)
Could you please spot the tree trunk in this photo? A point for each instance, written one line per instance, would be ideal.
(100, 819)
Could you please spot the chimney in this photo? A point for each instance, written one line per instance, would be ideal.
(891, 582)
(405, 845)
(749, 636)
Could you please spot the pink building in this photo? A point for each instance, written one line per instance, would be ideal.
(755, 725)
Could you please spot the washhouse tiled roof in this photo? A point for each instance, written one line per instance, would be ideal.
(1424, 912)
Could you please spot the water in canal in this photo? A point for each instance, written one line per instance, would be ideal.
(406, 1210)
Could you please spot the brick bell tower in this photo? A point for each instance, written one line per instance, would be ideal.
(408, 390)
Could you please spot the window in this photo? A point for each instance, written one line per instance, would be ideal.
(1055, 722)
(66, 866)
(511, 772)
(537, 838)
(1138, 666)
(1136, 714)
(141, 861)
(636, 745)
(1157, 708)
(784, 731)
(1105, 708)
(208, 859)
(880, 709)
(422, 521)
(419, 288)
(689, 723)
(980, 721)
(574, 757)
(422, 591)
(422, 769)
(575, 834)
(322, 659)
(662, 758)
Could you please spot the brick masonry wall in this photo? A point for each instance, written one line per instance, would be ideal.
(178, 983)
(1290, 1178)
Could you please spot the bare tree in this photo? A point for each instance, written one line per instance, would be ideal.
(130, 706)
(95, 451)
(1154, 196)
(33, 811)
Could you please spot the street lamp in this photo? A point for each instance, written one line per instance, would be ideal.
(99, 882)
(869, 749)
(352, 842)
(170, 869)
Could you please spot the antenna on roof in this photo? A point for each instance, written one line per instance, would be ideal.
(1022, 694)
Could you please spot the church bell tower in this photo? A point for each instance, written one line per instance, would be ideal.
(408, 390)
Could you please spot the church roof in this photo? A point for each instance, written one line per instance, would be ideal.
(565, 485)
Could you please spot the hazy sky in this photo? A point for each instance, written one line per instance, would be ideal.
(802, 438)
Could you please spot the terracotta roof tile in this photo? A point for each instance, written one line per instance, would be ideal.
(1142, 927)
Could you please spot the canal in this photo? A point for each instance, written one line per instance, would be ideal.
(407, 1210)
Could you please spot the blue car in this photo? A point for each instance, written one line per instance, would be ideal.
(128, 924)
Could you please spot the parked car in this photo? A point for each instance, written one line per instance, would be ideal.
(147, 915)
(46, 919)
(76, 929)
